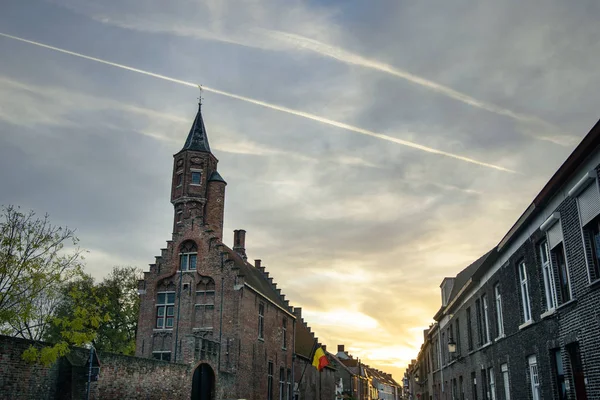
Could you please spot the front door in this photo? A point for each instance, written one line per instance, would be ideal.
(203, 383)
(577, 368)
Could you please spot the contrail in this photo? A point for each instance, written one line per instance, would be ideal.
(273, 107)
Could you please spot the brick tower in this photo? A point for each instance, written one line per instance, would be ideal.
(202, 304)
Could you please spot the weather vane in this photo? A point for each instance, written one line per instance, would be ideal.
(200, 96)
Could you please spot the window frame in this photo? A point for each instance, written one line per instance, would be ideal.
(270, 380)
(505, 380)
(535, 385)
(469, 329)
(281, 383)
(524, 289)
(491, 383)
(559, 252)
(165, 313)
(161, 355)
(499, 312)
(548, 276)
(486, 319)
(261, 321)
(199, 175)
(591, 248)
(284, 333)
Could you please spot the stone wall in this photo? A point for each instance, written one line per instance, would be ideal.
(121, 377)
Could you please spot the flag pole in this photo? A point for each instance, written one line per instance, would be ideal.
(309, 361)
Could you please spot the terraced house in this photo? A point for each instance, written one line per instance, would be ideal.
(523, 321)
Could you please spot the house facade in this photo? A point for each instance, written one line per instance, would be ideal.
(522, 321)
(203, 304)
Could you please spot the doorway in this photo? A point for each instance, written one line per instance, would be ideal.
(203, 383)
(577, 369)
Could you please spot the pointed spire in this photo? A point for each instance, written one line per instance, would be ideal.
(197, 139)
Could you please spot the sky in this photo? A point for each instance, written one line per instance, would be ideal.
(370, 148)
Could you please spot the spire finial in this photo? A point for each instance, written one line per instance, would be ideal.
(200, 97)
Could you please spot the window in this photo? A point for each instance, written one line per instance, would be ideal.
(486, 323)
(564, 285)
(591, 235)
(491, 384)
(179, 216)
(559, 374)
(270, 381)
(289, 385)
(179, 179)
(481, 333)
(548, 275)
(196, 178)
(454, 389)
(588, 202)
(504, 370)
(444, 348)
(485, 388)
(205, 303)
(281, 383)
(284, 333)
(457, 323)
(187, 256)
(461, 388)
(469, 329)
(261, 320)
(474, 385)
(499, 318)
(165, 307)
(534, 378)
(161, 355)
(524, 292)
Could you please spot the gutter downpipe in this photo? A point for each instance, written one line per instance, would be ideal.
(178, 314)
(221, 316)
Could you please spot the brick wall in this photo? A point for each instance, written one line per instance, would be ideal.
(121, 377)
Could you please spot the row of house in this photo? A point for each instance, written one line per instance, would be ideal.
(203, 304)
(523, 321)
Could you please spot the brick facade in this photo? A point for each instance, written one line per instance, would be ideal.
(529, 355)
(121, 377)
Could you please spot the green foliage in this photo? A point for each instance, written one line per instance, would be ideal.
(34, 263)
(105, 313)
(85, 313)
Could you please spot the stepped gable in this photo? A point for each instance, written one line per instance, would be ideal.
(256, 278)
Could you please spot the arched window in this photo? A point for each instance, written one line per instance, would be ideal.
(188, 254)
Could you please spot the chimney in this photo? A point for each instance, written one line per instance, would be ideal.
(239, 242)
(257, 264)
(340, 348)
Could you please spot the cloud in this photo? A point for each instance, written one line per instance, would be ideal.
(277, 108)
(208, 24)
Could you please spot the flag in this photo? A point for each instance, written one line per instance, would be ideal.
(320, 360)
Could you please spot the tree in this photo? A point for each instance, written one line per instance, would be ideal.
(123, 303)
(33, 266)
(76, 320)
(115, 300)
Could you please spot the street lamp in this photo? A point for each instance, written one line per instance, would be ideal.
(452, 347)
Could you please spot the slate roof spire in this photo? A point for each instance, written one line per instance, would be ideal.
(197, 139)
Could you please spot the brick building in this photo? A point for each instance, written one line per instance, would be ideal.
(203, 304)
(523, 321)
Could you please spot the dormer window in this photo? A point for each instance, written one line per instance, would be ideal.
(196, 177)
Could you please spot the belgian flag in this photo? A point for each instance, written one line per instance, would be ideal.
(320, 360)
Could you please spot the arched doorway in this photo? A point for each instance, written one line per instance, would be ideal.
(203, 383)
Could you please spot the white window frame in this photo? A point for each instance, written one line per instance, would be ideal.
(499, 315)
(524, 284)
(548, 276)
(195, 171)
(534, 378)
(506, 380)
(564, 255)
(486, 319)
(492, 383)
(165, 306)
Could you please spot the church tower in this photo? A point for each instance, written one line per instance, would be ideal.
(197, 190)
